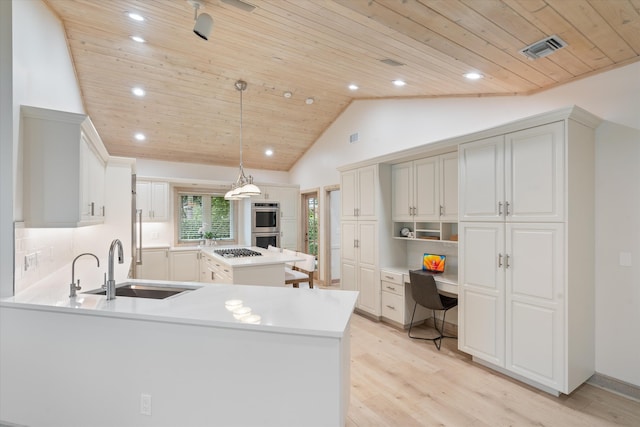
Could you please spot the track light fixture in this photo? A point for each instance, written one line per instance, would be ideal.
(204, 21)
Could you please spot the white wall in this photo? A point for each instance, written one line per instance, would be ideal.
(6, 151)
(388, 126)
(618, 234)
(194, 172)
(43, 76)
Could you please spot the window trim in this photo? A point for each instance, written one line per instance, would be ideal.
(201, 191)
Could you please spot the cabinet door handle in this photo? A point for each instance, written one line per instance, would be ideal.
(441, 210)
(499, 260)
(506, 208)
(506, 261)
(213, 277)
(499, 208)
(92, 209)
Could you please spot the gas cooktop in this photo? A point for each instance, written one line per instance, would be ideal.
(237, 252)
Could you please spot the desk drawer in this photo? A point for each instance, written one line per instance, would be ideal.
(391, 276)
(393, 307)
(392, 287)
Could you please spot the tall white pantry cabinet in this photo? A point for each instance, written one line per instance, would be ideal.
(526, 249)
(364, 233)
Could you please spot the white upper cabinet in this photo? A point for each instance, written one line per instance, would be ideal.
(152, 197)
(415, 190)
(535, 166)
(426, 189)
(482, 179)
(448, 187)
(516, 177)
(64, 169)
(358, 189)
(287, 197)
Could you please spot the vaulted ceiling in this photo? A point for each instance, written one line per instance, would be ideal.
(314, 49)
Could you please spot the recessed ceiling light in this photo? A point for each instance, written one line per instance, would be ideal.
(353, 87)
(399, 83)
(138, 91)
(473, 76)
(140, 136)
(268, 152)
(287, 94)
(137, 39)
(135, 16)
(309, 101)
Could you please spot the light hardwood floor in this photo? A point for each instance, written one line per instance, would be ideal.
(400, 382)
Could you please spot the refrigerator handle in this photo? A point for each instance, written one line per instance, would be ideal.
(139, 242)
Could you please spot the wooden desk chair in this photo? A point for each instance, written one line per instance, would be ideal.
(300, 271)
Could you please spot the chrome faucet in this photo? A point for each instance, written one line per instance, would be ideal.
(73, 287)
(110, 285)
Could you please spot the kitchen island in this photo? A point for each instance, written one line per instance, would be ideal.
(264, 269)
(217, 264)
(185, 360)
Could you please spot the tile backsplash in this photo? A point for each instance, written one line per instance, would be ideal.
(39, 252)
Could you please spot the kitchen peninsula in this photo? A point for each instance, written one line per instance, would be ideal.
(184, 360)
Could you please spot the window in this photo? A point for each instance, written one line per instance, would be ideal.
(204, 216)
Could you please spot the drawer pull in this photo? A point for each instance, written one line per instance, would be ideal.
(391, 287)
(390, 307)
(388, 277)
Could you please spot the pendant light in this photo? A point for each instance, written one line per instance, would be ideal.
(243, 187)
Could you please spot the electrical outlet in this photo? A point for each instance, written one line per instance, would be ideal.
(30, 261)
(145, 404)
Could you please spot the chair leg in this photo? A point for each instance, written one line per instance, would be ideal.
(437, 340)
(412, 315)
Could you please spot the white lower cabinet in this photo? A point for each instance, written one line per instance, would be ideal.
(397, 302)
(512, 279)
(213, 271)
(155, 264)
(184, 266)
(359, 263)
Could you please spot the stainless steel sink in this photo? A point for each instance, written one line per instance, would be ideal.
(144, 290)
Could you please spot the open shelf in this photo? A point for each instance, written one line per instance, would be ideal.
(427, 231)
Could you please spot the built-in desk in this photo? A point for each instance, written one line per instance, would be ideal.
(397, 303)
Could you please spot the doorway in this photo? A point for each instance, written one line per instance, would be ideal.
(331, 235)
(311, 218)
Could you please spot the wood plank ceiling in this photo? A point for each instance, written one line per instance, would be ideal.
(315, 49)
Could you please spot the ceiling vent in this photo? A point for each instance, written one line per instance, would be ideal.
(391, 62)
(543, 48)
(240, 5)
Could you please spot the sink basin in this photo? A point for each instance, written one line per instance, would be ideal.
(144, 290)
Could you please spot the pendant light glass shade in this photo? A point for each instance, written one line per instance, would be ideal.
(243, 187)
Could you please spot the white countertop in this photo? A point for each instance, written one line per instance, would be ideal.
(316, 312)
(267, 257)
